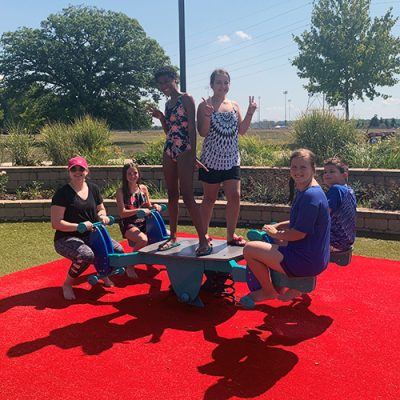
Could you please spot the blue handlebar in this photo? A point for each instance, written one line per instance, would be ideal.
(82, 227)
(142, 214)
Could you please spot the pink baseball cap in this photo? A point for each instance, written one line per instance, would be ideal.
(77, 161)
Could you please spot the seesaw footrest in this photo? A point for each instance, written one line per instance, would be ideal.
(303, 284)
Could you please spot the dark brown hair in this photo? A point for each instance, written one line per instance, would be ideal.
(338, 163)
(125, 185)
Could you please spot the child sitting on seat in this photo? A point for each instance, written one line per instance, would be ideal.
(132, 197)
(342, 204)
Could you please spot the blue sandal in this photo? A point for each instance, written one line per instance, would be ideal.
(204, 252)
(247, 302)
(168, 245)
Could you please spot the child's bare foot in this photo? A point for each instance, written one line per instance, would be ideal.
(290, 294)
(108, 282)
(68, 292)
(261, 295)
(131, 273)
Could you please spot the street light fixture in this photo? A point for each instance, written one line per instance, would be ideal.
(285, 93)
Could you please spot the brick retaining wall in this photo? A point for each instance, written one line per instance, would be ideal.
(53, 177)
(368, 221)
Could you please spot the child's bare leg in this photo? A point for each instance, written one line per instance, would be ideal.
(210, 193)
(261, 256)
(232, 193)
(172, 182)
(140, 239)
(68, 292)
(185, 170)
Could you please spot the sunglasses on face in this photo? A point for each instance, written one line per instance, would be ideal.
(75, 169)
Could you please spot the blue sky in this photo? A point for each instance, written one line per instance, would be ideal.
(251, 39)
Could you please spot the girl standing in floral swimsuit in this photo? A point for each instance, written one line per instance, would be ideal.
(179, 157)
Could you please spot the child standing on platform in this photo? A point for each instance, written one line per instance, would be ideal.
(307, 235)
(179, 156)
(342, 204)
(220, 122)
(132, 197)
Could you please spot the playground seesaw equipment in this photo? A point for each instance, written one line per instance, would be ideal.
(303, 284)
(100, 243)
(185, 270)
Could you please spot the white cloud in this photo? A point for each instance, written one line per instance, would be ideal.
(243, 35)
(223, 39)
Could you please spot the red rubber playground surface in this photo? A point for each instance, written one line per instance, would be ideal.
(135, 341)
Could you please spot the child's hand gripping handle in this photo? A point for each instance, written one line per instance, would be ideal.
(142, 212)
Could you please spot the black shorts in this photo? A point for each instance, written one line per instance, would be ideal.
(218, 176)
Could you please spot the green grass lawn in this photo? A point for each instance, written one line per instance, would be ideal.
(26, 244)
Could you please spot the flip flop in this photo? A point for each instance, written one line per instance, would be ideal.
(168, 245)
(247, 302)
(236, 241)
(204, 252)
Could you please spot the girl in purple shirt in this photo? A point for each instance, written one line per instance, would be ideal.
(307, 235)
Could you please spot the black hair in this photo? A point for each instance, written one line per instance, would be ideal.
(168, 71)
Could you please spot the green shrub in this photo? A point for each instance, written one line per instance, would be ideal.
(270, 188)
(152, 155)
(87, 136)
(92, 139)
(253, 152)
(324, 134)
(20, 144)
(377, 197)
(34, 191)
(57, 142)
(384, 154)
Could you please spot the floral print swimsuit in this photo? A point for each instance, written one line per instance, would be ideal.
(178, 140)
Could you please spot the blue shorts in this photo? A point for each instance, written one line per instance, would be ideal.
(295, 266)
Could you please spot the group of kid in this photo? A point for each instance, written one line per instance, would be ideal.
(302, 244)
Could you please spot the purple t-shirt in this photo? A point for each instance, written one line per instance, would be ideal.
(309, 214)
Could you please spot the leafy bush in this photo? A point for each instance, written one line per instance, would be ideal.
(57, 142)
(92, 139)
(152, 155)
(34, 191)
(384, 154)
(379, 198)
(324, 134)
(87, 136)
(254, 152)
(20, 144)
(270, 188)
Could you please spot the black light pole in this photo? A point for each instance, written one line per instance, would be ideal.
(182, 50)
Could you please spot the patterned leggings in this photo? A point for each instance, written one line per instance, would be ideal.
(79, 252)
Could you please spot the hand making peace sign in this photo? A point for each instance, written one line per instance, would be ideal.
(252, 106)
(209, 109)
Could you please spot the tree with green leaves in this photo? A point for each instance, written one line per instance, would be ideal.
(81, 61)
(346, 55)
